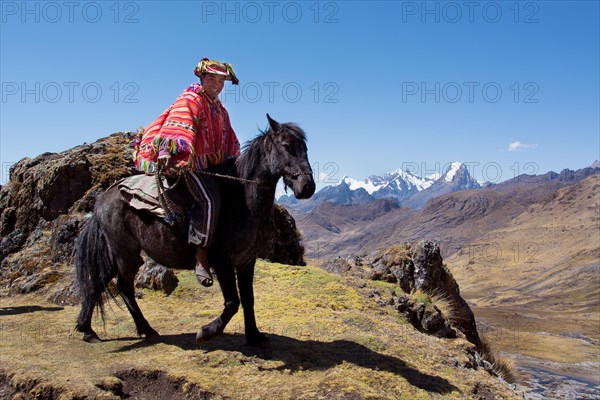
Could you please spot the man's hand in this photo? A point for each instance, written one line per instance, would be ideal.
(165, 161)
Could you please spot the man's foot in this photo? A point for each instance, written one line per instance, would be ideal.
(202, 270)
(204, 276)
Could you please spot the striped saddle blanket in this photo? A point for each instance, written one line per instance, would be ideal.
(141, 193)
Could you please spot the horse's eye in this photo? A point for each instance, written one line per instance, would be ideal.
(289, 148)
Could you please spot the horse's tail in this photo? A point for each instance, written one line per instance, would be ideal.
(94, 268)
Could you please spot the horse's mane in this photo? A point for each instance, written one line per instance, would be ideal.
(250, 160)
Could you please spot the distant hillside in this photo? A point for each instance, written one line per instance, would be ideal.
(548, 255)
(454, 219)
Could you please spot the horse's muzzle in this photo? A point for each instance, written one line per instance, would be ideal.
(304, 186)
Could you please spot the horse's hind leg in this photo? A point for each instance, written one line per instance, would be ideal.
(84, 320)
(126, 290)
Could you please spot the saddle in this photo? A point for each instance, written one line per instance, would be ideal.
(141, 192)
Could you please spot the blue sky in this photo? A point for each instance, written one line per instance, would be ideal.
(508, 87)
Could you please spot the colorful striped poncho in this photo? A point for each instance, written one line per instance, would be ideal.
(195, 130)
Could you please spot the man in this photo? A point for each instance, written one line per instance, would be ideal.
(194, 133)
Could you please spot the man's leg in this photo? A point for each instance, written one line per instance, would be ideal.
(202, 269)
(203, 218)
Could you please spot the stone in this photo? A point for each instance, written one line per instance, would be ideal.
(156, 277)
(284, 241)
(336, 266)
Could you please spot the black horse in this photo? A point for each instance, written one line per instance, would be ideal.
(110, 244)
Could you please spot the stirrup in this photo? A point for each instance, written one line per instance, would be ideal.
(204, 276)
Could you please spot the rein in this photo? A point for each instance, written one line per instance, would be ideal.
(233, 178)
(165, 202)
(295, 175)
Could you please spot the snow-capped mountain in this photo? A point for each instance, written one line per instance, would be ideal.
(409, 189)
(343, 194)
(455, 178)
(396, 184)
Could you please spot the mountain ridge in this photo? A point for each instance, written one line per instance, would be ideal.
(413, 191)
(488, 208)
(408, 188)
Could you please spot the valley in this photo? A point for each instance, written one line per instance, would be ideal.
(525, 253)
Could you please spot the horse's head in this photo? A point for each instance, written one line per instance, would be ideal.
(288, 157)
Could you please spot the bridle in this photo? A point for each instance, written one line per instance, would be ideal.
(296, 135)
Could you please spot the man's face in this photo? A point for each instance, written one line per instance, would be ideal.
(213, 84)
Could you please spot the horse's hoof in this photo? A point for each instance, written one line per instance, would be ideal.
(204, 334)
(91, 338)
(261, 345)
(152, 336)
(207, 332)
(211, 330)
(258, 340)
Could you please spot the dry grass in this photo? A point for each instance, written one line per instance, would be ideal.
(328, 341)
(503, 366)
(447, 307)
(442, 302)
(421, 296)
(398, 253)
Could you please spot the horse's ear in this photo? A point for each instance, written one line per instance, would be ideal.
(274, 124)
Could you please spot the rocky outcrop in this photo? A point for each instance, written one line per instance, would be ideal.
(284, 244)
(45, 204)
(427, 295)
(421, 268)
(425, 316)
(50, 185)
(44, 261)
(431, 301)
(43, 207)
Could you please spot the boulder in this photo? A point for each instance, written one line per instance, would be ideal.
(337, 266)
(156, 277)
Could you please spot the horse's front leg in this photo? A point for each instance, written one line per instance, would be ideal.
(226, 278)
(245, 281)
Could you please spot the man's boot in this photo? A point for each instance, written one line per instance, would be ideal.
(202, 270)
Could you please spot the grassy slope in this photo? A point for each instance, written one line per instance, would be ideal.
(328, 341)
